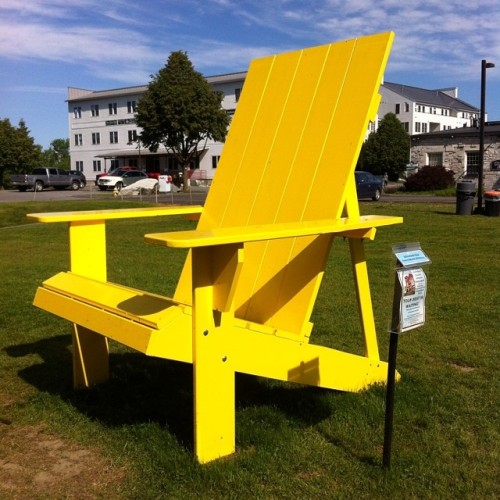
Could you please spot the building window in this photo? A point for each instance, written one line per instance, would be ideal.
(132, 136)
(237, 93)
(114, 164)
(79, 166)
(112, 108)
(77, 112)
(94, 109)
(424, 128)
(131, 106)
(113, 137)
(417, 126)
(172, 163)
(435, 159)
(78, 140)
(397, 108)
(471, 162)
(406, 125)
(407, 107)
(97, 165)
(96, 138)
(215, 161)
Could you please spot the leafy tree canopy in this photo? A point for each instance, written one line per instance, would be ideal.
(387, 149)
(180, 110)
(18, 151)
(58, 154)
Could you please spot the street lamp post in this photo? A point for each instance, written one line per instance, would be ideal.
(484, 66)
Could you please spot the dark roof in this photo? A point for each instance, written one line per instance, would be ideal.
(77, 94)
(430, 97)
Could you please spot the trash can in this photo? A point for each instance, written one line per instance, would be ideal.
(492, 203)
(466, 191)
(164, 184)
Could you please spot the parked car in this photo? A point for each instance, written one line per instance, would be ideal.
(114, 171)
(368, 185)
(44, 177)
(79, 175)
(120, 179)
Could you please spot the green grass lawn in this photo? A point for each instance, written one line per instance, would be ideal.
(292, 441)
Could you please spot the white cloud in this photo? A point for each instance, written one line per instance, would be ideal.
(45, 8)
(92, 44)
(431, 35)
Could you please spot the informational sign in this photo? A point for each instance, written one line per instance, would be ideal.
(413, 284)
(409, 258)
(408, 312)
(410, 287)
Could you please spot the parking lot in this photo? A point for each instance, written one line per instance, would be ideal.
(196, 196)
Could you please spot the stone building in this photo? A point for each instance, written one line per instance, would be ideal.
(458, 150)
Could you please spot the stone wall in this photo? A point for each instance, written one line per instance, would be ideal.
(454, 154)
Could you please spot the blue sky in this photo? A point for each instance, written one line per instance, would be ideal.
(49, 45)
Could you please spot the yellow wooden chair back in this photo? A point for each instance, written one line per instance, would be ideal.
(290, 156)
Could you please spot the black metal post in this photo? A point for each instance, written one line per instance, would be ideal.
(389, 401)
(484, 66)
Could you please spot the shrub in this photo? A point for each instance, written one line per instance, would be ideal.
(430, 179)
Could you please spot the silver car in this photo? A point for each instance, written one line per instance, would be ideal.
(118, 181)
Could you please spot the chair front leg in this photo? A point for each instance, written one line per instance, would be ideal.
(87, 242)
(214, 377)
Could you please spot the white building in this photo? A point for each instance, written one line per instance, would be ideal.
(103, 132)
(422, 111)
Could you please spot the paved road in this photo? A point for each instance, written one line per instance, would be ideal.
(196, 197)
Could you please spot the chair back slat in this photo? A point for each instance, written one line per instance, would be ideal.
(290, 153)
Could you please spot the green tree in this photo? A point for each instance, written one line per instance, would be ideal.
(386, 150)
(18, 151)
(180, 110)
(7, 159)
(57, 155)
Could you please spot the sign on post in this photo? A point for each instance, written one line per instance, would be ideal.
(408, 312)
(410, 287)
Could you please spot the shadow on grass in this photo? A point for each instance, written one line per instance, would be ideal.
(142, 389)
(442, 212)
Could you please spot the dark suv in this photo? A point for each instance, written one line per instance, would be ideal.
(81, 177)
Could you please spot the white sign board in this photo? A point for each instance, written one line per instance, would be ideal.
(413, 284)
(410, 287)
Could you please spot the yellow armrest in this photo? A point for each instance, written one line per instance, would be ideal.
(99, 215)
(87, 233)
(231, 235)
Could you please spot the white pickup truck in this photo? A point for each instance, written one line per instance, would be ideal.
(43, 177)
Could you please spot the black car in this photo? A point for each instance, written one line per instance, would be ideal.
(368, 185)
(81, 177)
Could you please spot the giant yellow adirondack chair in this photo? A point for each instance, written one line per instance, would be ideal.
(284, 189)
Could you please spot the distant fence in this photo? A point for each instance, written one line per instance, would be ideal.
(198, 174)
